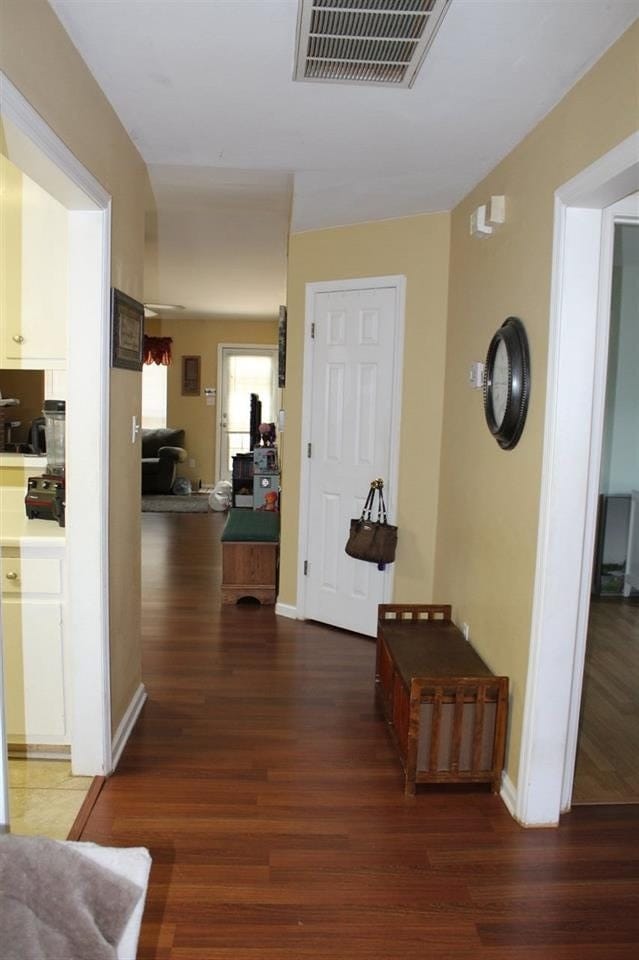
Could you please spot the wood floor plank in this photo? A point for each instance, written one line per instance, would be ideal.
(607, 767)
(264, 783)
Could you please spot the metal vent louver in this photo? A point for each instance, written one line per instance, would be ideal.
(365, 41)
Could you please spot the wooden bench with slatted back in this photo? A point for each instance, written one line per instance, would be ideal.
(446, 710)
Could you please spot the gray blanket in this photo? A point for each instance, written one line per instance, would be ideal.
(56, 904)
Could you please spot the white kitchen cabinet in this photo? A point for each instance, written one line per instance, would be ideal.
(36, 672)
(34, 232)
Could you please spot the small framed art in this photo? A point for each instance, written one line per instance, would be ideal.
(190, 376)
(127, 331)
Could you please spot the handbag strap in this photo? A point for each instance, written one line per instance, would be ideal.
(376, 487)
(381, 506)
(368, 503)
(381, 510)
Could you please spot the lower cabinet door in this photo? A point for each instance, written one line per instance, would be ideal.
(34, 672)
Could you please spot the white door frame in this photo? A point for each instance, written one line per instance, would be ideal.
(579, 319)
(45, 158)
(221, 347)
(4, 768)
(398, 282)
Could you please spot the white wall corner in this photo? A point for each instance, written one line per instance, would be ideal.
(513, 803)
(287, 610)
(126, 725)
(508, 794)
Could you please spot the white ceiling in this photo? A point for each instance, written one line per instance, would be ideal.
(236, 149)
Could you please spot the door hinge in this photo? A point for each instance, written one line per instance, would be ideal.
(312, 331)
(309, 450)
(307, 567)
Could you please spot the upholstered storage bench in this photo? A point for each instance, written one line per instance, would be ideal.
(446, 711)
(250, 544)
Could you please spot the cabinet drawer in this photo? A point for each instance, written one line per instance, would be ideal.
(29, 575)
(34, 672)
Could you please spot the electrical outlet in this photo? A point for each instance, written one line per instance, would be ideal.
(466, 631)
(191, 462)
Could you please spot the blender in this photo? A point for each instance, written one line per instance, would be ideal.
(46, 498)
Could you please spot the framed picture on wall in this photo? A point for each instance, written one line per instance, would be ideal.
(127, 331)
(281, 349)
(190, 376)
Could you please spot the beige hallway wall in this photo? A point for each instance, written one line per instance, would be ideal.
(416, 247)
(489, 502)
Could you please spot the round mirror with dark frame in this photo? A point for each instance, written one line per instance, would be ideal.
(507, 383)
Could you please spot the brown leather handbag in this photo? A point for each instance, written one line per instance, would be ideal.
(373, 540)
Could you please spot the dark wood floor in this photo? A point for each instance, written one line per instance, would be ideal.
(263, 782)
(607, 768)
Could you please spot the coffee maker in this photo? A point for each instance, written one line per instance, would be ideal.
(46, 497)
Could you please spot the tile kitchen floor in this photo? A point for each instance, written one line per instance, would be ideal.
(44, 797)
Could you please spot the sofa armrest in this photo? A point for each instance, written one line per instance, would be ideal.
(172, 453)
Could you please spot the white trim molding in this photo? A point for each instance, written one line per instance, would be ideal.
(287, 610)
(4, 766)
(87, 532)
(508, 794)
(579, 319)
(34, 131)
(126, 725)
(37, 150)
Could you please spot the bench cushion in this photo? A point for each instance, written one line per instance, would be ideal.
(254, 526)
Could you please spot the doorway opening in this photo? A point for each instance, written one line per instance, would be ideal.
(242, 370)
(580, 309)
(35, 150)
(607, 769)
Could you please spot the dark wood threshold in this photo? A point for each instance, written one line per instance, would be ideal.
(75, 833)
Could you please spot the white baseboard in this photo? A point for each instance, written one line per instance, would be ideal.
(286, 610)
(126, 725)
(508, 794)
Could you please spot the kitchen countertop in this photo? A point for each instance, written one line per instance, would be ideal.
(17, 530)
(23, 461)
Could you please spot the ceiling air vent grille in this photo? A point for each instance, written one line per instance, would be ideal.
(365, 41)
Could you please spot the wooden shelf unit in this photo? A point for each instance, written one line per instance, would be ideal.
(242, 480)
(446, 711)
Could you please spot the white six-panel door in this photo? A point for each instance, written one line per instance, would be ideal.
(354, 398)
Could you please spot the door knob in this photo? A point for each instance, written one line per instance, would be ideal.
(12, 575)
(18, 338)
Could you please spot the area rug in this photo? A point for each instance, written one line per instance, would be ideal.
(196, 503)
